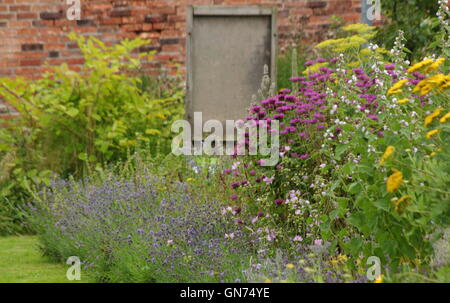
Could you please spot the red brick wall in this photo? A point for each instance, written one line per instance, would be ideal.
(34, 32)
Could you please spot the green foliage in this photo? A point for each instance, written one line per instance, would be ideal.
(290, 64)
(395, 223)
(416, 18)
(73, 122)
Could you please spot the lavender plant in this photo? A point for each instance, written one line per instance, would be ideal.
(140, 229)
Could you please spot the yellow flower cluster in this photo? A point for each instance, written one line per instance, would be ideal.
(406, 100)
(397, 87)
(290, 266)
(400, 204)
(359, 28)
(446, 83)
(315, 68)
(339, 259)
(427, 85)
(380, 279)
(445, 118)
(431, 133)
(420, 65)
(387, 154)
(429, 119)
(342, 45)
(435, 65)
(394, 181)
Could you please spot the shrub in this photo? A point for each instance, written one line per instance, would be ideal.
(136, 227)
(330, 184)
(73, 122)
(425, 24)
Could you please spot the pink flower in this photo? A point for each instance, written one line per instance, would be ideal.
(261, 162)
(268, 180)
(235, 185)
(318, 242)
(298, 238)
(270, 235)
(389, 66)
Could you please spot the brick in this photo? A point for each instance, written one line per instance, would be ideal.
(122, 12)
(19, 24)
(155, 18)
(317, 4)
(30, 62)
(172, 48)
(55, 61)
(6, 16)
(75, 61)
(111, 21)
(32, 47)
(85, 22)
(51, 15)
(149, 48)
(53, 54)
(26, 16)
(72, 45)
(41, 23)
(169, 41)
(19, 8)
(168, 10)
(121, 3)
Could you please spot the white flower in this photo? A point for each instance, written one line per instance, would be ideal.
(229, 236)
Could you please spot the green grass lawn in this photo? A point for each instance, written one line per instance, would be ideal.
(22, 262)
